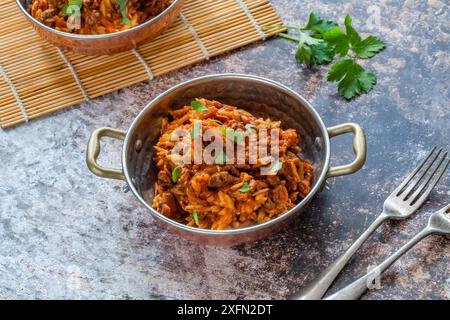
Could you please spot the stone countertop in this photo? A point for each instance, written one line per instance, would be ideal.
(65, 233)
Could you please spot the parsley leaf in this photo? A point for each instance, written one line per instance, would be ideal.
(176, 172)
(195, 216)
(338, 70)
(338, 40)
(245, 188)
(363, 49)
(321, 53)
(316, 23)
(368, 48)
(308, 40)
(343, 42)
(352, 78)
(313, 51)
(303, 55)
(352, 34)
(198, 106)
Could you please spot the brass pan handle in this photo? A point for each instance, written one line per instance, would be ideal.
(359, 147)
(93, 151)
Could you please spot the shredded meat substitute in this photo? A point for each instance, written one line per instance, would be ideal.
(225, 196)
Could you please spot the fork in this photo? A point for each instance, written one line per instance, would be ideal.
(401, 204)
(439, 223)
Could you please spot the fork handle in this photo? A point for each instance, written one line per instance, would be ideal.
(316, 289)
(356, 289)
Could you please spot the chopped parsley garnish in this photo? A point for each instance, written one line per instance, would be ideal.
(195, 216)
(123, 10)
(198, 106)
(176, 172)
(244, 188)
(217, 121)
(68, 7)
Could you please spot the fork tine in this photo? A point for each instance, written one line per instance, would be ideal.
(418, 199)
(416, 181)
(398, 190)
(446, 208)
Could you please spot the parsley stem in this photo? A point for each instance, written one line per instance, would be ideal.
(288, 37)
(279, 26)
(284, 35)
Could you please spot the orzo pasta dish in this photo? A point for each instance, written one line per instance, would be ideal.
(90, 17)
(225, 194)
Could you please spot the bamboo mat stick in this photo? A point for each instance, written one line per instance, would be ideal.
(45, 84)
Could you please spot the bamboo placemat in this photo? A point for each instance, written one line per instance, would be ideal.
(36, 78)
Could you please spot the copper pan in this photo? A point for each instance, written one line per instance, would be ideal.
(105, 44)
(262, 97)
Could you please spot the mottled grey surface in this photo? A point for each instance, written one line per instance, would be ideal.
(65, 233)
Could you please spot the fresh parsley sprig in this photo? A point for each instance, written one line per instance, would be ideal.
(321, 40)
